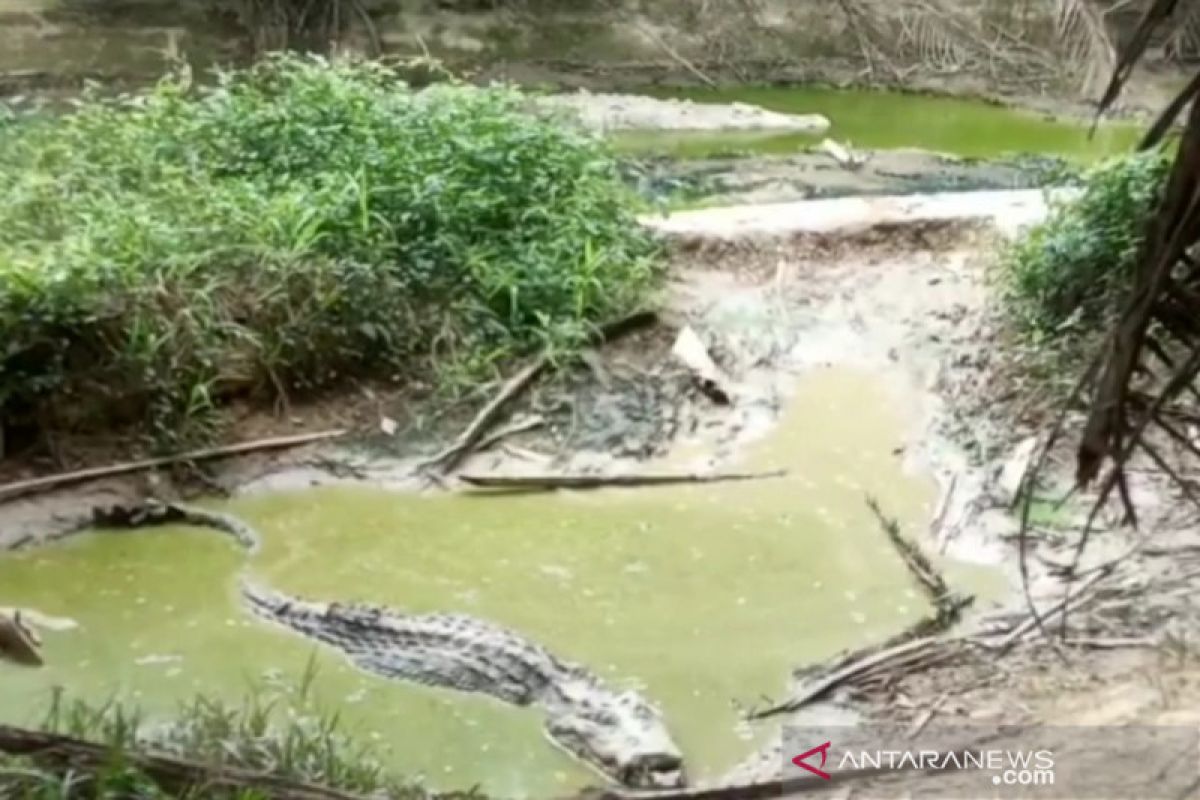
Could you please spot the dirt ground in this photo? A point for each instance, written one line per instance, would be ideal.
(897, 286)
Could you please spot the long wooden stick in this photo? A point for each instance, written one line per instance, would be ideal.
(552, 482)
(11, 490)
(175, 775)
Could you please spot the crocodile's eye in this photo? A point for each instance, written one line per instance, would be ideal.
(604, 718)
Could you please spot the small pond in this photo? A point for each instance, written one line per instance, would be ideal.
(705, 597)
(874, 120)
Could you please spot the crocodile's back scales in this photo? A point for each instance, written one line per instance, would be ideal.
(449, 650)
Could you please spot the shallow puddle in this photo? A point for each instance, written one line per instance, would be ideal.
(705, 597)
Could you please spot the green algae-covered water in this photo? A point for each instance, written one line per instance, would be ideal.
(878, 120)
(704, 597)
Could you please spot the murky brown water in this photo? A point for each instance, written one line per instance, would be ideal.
(705, 596)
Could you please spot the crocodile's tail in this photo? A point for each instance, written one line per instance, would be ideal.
(152, 514)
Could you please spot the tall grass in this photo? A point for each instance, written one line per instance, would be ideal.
(294, 223)
(275, 730)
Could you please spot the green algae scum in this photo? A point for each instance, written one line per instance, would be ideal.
(880, 120)
(703, 597)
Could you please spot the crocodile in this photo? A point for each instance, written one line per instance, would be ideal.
(618, 733)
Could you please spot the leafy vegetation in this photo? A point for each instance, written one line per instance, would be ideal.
(1068, 274)
(290, 224)
(276, 731)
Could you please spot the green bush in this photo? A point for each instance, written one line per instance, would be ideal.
(1067, 273)
(292, 223)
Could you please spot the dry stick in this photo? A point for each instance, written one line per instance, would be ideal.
(1036, 617)
(920, 723)
(449, 458)
(11, 490)
(1114, 643)
(520, 426)
(63, 754)
(673, 53)
(552, 482)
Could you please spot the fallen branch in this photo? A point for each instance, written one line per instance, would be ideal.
(62, 754)
(448, 458)
(923, 720)
(467, 441)
(12, 490)
(674, 54)
(520, 426)
(850, 671)
(1113, 643)
(1035, 617)
(552, 482)
(949, 604)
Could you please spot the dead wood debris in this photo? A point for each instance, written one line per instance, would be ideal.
(448, 458)
(1113, 609)
(861, 665)
(468, 441)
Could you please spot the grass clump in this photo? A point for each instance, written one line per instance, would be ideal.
(294, 223)
(1065, 277)
(276, 731)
